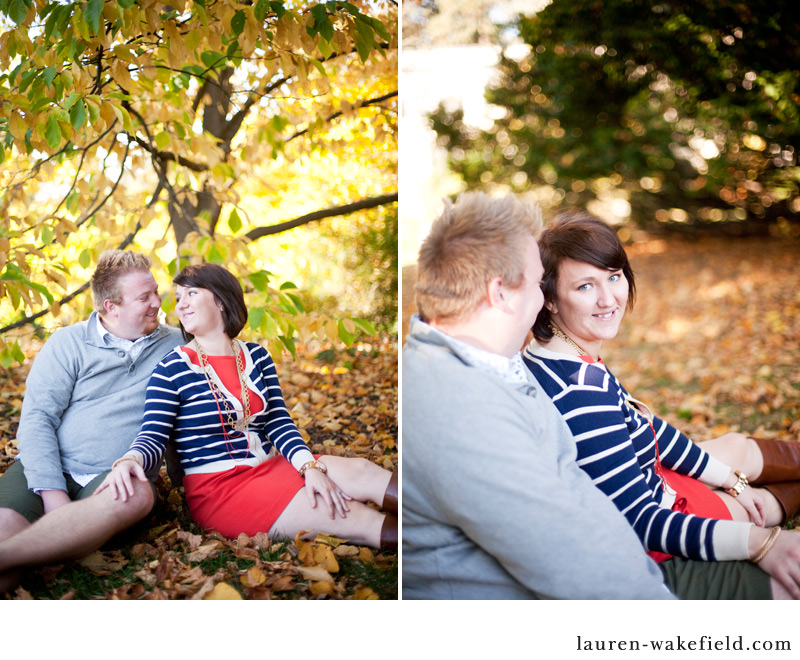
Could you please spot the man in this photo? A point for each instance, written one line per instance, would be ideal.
(494, 505)
(82, 409)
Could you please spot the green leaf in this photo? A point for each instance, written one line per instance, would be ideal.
(255, 316)
(365, 39)
(43, 290)
(262, 9)
(214, 255)
(47, 235)
(94, 8)
(126, 4)
(287, 285)
(365, 326)
(260, 280)
(268, 327)
(237, 23)
(72, 203)
(344, 335)
(5, 358)
(234, 222)
(162, 140)
(17, 354)
(52, 132)
(17, 11)
(289, 343)
(297, 302)
(70, 101)
(49, 75)
(77, 115)
(85, 258)
(278, 8)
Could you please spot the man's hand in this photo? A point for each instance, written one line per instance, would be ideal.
(782, 562)
(52, 499)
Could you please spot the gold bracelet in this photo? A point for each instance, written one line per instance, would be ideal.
(126, 458)
(312, 464)
(773, 536)
(738, 488)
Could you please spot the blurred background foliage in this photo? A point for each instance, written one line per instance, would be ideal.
(655, 114)
(259, 135)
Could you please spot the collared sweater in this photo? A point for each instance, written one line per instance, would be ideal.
(180, 406)
(616, 448)
(83, 403)
(494, 505)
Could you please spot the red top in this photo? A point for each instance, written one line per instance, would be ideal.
(225, 368)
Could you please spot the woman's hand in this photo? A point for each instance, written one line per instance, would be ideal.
(120, 479)
(753, 502)
(333, 496)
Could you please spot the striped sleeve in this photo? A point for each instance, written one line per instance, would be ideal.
(279, 428)
(680, 454)
(161, 407)
(593, 409)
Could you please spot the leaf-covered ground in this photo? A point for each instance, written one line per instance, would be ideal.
(713, 343)
(345, 403)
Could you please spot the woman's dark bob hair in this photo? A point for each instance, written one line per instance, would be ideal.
(580, 236)
(227, 292)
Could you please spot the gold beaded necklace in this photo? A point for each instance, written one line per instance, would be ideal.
(238, 425)
(558, 332)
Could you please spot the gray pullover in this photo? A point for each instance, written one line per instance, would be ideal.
(494, 505)
(83, 403)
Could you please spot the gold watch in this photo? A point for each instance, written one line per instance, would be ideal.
(319, 465)
(738, 488)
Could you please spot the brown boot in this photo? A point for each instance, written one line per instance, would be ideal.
(389, 533)
(390, 496)
(781, 461)
(788, 496)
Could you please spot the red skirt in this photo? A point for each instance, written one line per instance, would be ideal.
(244, 499)
(693, 497)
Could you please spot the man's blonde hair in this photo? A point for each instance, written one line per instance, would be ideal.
(111, 266)
(473, 241)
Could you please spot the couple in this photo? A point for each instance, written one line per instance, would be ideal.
(538, 475)
(83, 473)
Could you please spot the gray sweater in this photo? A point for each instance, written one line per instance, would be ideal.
(494, 505)
(83, 403)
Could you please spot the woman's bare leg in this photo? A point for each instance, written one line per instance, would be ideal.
(773, 511)
(362, 525)
(738, 451)
(359, 478)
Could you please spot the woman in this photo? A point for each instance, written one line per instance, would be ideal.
(654, 474)
(246, 466)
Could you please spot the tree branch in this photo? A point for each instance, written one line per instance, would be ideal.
(371, 202)
(358, 106)
(166, 155)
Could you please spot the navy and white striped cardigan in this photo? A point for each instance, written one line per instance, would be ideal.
(180, 406)
(616, 448)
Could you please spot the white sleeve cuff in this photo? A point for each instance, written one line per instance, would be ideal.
(730, 540)
(716, 472)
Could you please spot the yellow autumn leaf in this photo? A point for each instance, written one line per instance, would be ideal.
(319, 588)
(253, 577)
(223, 591)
